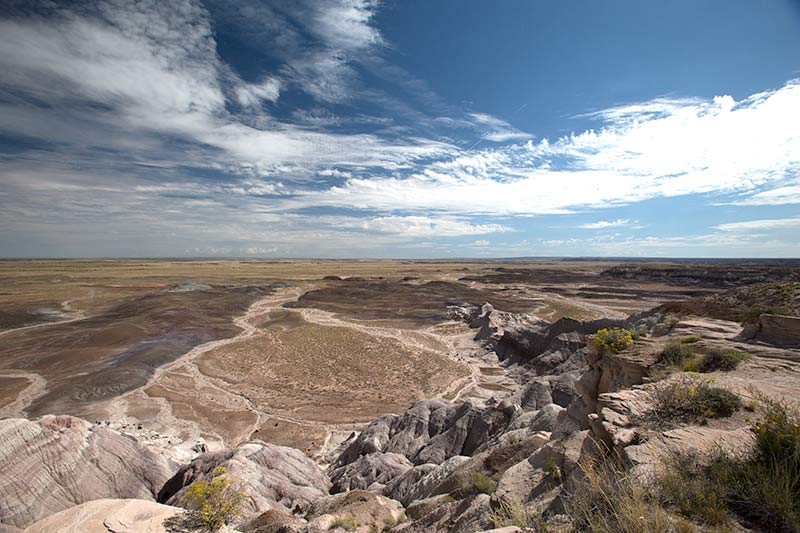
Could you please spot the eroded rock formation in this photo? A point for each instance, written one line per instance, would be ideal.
(56, 462)
(273, 477)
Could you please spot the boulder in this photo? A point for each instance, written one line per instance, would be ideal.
(273, 477)
(563, 388)
(373, 439)
(275, 521)
(542, 420)
(56, 462)
(492, 463)
(545, 418)
(110, 516)
(469, 427)
(490, 324)
(536, 394)
(413, 429)
(369, 469)
(463, 516)
(402, 488)
(406, 492)
(779, 330)
(367, 509)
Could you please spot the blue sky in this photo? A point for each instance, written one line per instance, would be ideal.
(355, 128)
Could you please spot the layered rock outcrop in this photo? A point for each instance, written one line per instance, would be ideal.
(778, 330)
(56, 462)
(273, 477)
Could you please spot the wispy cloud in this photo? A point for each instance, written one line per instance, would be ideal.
(688, 147)
(419, 226)
(789, 194)
(603, 224)
(129, 117)
(156, 79)
(495, 129)
(761, 225)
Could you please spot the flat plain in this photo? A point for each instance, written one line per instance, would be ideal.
(291, 352)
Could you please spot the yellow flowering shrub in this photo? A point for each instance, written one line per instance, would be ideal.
(216, 502)
(614, 339)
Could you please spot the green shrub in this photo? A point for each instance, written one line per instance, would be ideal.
(676, 354)
(692, 357)
(215, 502)
(716, 402)
(614, 339)
(479, 483)
(552, 469)
(692, 365)
(714, 359)
(691, 339)
(690, 398)
(347, 523)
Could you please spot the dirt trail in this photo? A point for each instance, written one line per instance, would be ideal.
(247, 322)
(71, 315)
(461, 348)
(36, 387)
(134, 404)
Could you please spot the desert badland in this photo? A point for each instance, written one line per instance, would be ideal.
(375, 266)
(190, 359)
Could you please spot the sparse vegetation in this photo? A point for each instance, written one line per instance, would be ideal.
(479, 483)
(613, 339)
(607, 499)
(675, 354)
(761, 487)
(348, 523)
(683, 486)
(745, 304)
(689, 398)
(552, 469)
(765, 486)
(671, 321)
(690, 355)
(514, 513)
(713, 359)
(214, 502)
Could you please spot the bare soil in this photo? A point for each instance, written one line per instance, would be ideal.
(292, 352)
